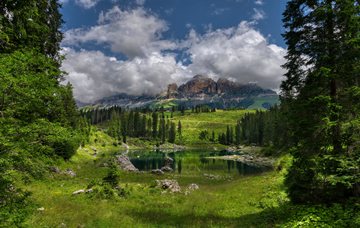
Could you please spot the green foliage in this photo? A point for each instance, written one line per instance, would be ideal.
(203, 135)
(113, 176)
(38, 116)
(336, 215)
(31, 24)
(319, 99)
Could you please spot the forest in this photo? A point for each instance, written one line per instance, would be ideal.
(313, 136)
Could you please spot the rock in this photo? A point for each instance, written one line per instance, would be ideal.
(211, 176)
(157, 171)
(89, 190)
(193, 187)
(125, 163)
(126, 146)
(78, 192)
(54, 169)
(69, 172)
(166, 169)
(41, 209)
(168, 161)
(172, 91)
(199, 84)
(171, 185)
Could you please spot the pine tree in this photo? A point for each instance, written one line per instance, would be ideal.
(172, 133)
(321, 81)
(154, 124)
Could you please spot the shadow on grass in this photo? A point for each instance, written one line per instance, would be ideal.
(162, 218)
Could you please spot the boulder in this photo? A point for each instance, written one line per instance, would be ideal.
(70, 173)
(125, 163)
(170, 185)
(157, 171)
(166, 169)
(193, 187)
(78, 192)
(168, 161)
(54, 169)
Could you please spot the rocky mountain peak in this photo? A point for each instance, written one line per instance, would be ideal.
(199, 84)
(172, 90)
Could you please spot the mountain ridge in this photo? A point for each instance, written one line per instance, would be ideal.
(199, 90)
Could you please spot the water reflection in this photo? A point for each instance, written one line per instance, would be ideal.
(191, 161)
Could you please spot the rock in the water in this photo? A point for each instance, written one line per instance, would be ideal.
(69, 172)
(166, 169)
(125, 163)
(193, 187)
(157, 171)
(171, 185)
(78, 192)
(168, 161)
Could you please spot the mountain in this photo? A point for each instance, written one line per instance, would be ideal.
(200, 90)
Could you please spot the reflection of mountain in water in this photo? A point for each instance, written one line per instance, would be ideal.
(185, 161)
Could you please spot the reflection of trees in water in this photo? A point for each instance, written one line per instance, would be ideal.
(156, 160)
(179, 164)
(150, 161)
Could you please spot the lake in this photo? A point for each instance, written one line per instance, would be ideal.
(192, 162)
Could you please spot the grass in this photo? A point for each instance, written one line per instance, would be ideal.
(218, 202)
(244, 201)
(194, 123)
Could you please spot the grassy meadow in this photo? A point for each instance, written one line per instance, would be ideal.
(219, 203)
(194, 123)
(242, 201)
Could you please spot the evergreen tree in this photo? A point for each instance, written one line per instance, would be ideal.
(322, 80)
(172, 133)
(154, 125)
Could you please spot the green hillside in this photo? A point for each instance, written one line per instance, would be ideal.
(194, 123)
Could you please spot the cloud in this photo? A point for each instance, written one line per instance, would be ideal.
(87, 4)
(134, 33)
(258, 14)
(259, 2)
(240, 53)
(95, 75)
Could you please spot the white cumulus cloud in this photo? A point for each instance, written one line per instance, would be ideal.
(95, 75)
(133, 32)
(240, 53)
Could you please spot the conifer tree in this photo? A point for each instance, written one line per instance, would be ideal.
(322, 80)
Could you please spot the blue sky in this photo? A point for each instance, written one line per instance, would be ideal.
(140, 46)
